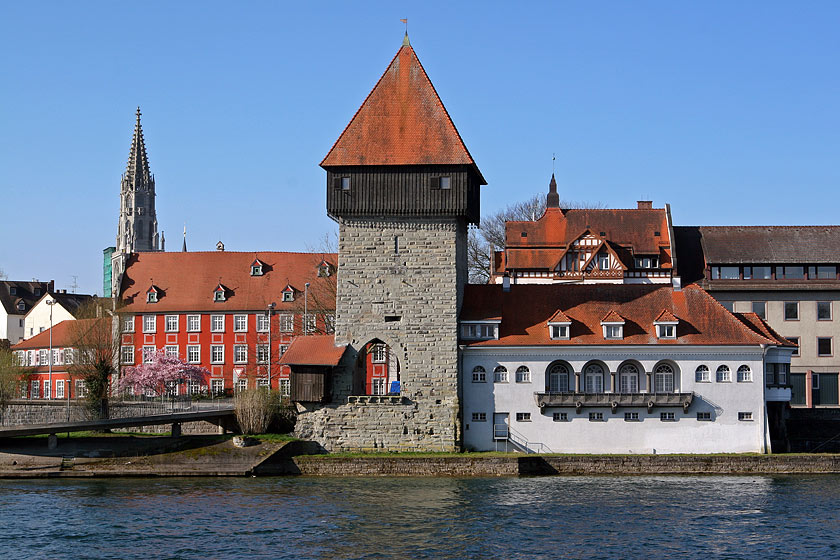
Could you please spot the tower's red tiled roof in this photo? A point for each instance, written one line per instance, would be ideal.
(401, 122)
(187, 281)
(526, 309)
(313, 350)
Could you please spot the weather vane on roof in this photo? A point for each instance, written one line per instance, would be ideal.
(405, 21)
(553, 158)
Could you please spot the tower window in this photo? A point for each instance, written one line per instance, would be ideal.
(341, 183)
(444, 183)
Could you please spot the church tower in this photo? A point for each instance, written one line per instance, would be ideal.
(403, 188)
(137, 229)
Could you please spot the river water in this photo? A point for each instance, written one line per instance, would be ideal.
(533, 518)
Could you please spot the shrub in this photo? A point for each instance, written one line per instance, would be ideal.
(255, 409)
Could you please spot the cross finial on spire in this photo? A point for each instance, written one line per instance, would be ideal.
(406, 42)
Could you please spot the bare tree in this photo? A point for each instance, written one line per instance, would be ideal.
(12, 374)
(490, 235)
(2, 274)
(96, 355)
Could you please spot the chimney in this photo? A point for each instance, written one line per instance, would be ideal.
(676, 283)
(645, 204)
(506, 282)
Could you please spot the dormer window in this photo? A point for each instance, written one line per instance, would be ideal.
(558, 331)
(21, 306)
(646, 262)
(666, 325)
(37, 292)
(289, 294)
(324, 269)
(152, 295)
(480, 331)
(219, 294)
(613, 325)
(13, 290)
(257, 268)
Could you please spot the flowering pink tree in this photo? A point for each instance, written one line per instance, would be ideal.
(162, 370)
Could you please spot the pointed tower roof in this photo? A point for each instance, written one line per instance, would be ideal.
(401, 122)
(138, 162)
(552, 200)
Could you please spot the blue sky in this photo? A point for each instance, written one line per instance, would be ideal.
(729, 111)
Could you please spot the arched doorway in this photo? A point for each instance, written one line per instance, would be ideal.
(377, 370)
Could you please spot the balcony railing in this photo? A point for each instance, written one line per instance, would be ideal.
(614, 400)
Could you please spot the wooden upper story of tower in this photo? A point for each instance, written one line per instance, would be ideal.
(401, 153)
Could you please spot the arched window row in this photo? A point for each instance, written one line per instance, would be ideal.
(723, 374)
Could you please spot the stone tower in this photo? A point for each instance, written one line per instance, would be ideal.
(403, 188)
(137, 229)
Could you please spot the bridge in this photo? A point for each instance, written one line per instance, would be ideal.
(222, 417)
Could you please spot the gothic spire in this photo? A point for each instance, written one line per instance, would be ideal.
(137, 168)
(553, 199)
(184, 248)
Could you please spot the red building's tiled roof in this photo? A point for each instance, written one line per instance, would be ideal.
(186, 281)
(757, 324)
(526, 309)
(666, 317)
(401, 122)
(313, 350)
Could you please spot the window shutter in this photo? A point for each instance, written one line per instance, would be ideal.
(337, 183)
(435, 183)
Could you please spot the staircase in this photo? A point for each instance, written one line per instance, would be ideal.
(67, 463)
(503, 432)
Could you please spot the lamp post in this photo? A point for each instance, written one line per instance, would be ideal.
(269, 311)
(305, 308)
(50, 302)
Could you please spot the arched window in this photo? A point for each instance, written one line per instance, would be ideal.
(663, 379)
(723, 374)
(500, 374)
(628, 378)
(593, 379)
(744, 374)
(479, 375)
(523, 374)
(702, 375)
(558, 379)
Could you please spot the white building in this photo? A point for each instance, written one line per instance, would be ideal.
(16, 299)
(65, 308)
(617, 369)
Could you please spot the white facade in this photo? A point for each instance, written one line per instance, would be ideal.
(38, 318)
(723, 416)
(11, 326)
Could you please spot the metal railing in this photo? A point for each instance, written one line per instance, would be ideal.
(503, 432)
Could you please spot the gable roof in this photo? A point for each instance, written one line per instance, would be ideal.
(613, 317)
(666, 317)
(188, 280)
(401, 122)
(526, 309)
(313, 350)
(25, 292)
(770, 244)
(64, 334)
(559, 317)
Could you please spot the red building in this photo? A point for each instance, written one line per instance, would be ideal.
(233, 313)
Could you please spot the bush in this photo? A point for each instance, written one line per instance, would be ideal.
(255, 410)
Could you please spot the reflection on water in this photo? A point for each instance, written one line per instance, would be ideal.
(552, 517)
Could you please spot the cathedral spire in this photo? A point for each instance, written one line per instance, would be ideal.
(137, 168)
(138, 228)
(553, 199)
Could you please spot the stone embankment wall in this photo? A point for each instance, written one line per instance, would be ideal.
(24, 412)
(325, 465)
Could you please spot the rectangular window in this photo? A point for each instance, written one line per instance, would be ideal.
(193, 323)
(631, 416)
(745, 416)
(285, 387)
(262, 383)
(612, 331)
(127, 355)
(479, 417)
(240, 354)
(377, 387)
(59, 389)
(445, 183)
(559, 332)
(194, 354)
(815, 380)
(240, 323)
(560, 416)
(263, 322)
(287, 323)
(794, 340)
(43, 355)
(329, 323)
(824, 346)
(217, 386)
(826, 272)
(378, 353)
(729, 273)
(704, 416)
(762, 273)
(128, 324)
(667, 331)
(782, 370)
(791, 311)
(36, 390)
(171, 323)
(667, 417)
(792, 272)
(195, 388)
(309, 322)
(149, 323)
(523, 416)
(282, 349)
(81, 388)
(69, 356)
(171, 351)
(344, 183)
(217, 323)
(46, 388)
(760, 308)
(596, 416)
(262, 353)
(148, 354)
(823, 311)
(217, 354)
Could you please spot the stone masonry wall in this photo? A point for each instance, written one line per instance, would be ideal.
(407, 271)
